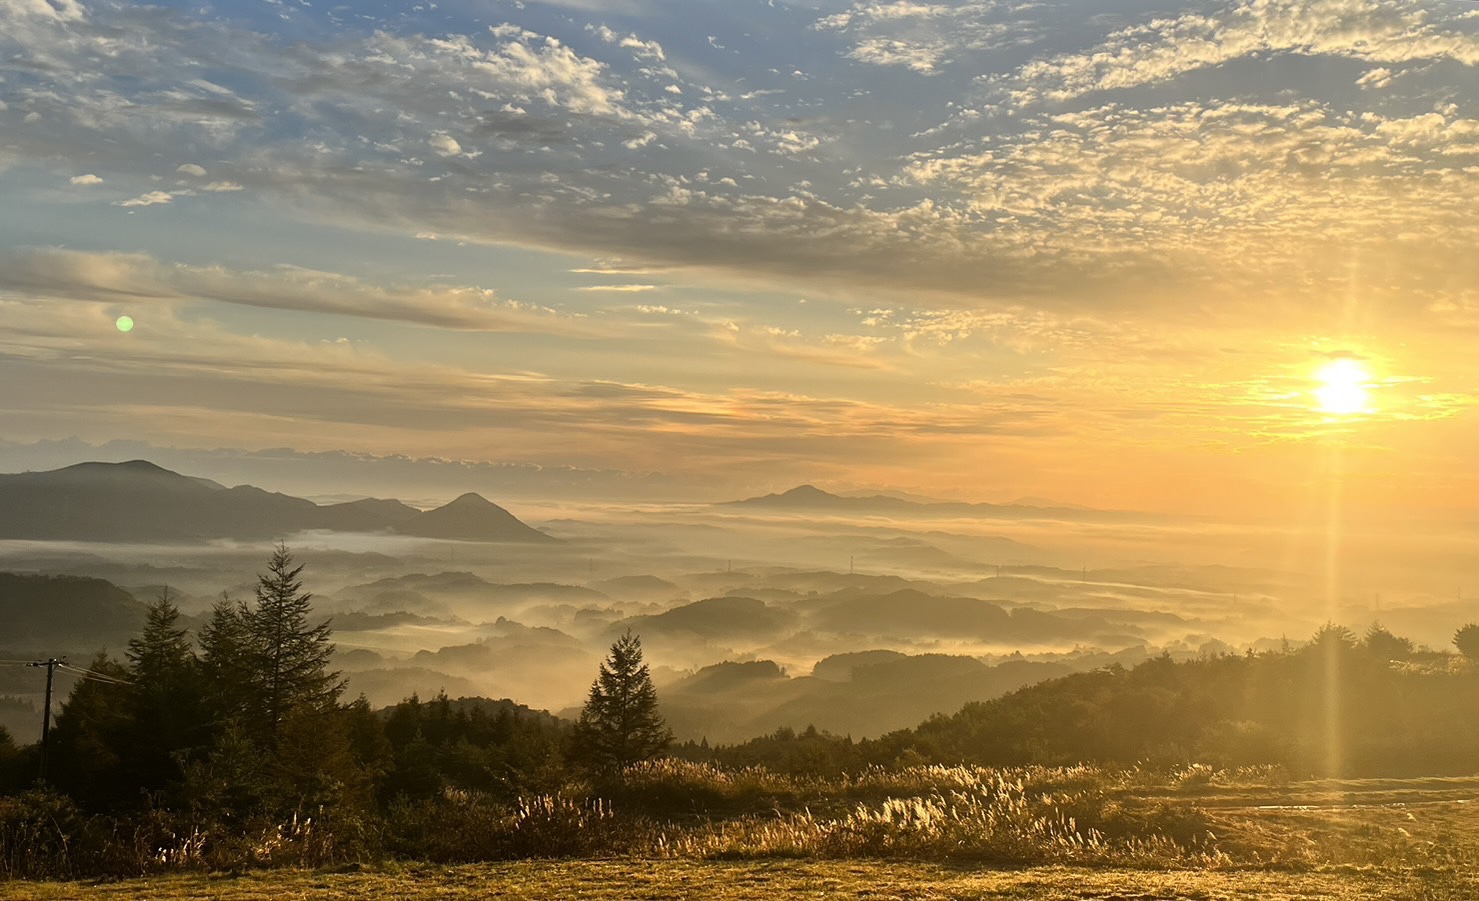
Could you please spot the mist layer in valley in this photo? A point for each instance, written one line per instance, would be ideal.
(855, 615)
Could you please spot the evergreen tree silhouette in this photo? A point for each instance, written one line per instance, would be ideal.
(289, 657)
(167, 704)
(620, 724)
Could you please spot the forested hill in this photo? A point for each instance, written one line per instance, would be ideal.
(1396, 712)
(1391, 712)
(61, 614)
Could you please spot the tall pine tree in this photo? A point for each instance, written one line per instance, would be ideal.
(167, 702)
(226, 661)
(620, 724)
(289, 657)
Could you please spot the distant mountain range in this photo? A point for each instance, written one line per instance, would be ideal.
(811, 499)
(139, 501)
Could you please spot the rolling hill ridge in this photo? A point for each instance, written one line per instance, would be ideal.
(811, 499)
(139, 501)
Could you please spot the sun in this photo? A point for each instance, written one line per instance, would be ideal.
(1342, 388)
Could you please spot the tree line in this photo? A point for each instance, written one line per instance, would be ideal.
(251, 720)
(1337, 705)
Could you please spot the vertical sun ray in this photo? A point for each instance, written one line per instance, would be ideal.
(1330, 731)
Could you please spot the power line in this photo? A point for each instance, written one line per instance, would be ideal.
(51, 664)
(93, 674)
(93, 677)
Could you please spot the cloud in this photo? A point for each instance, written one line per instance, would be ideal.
(658, 309)
(445, 145)
(891, 52)
(617, 267)
(114, 277)
(58, 10)
(531, 66)
(507, 136)
(190, 169)
(148, 199)
(923, 37)
(1380, 77)
(1379, 31)
(620, 289)
(755, 341)
(86, 180)
(642, 49)
(1259, 188)
(856, 343)
(194, 378)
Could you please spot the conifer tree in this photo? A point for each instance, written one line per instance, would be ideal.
(166, 703)
(620, 724)
(162, 650)
(289, 657)
(226, 660)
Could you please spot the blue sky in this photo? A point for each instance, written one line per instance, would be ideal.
(980, 249)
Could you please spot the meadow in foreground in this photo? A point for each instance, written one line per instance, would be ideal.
(942, 830)
(734, 880)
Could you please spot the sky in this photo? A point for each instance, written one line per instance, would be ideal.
(1095, 253)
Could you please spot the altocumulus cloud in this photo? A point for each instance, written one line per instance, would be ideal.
(580, 142)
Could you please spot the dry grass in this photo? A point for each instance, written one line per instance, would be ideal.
(1436, 835)
(1001, 816)
(768, 880)
(1146, 828)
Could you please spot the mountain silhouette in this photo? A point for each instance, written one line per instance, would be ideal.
(811, 499)
(139, 501)
(470, 517)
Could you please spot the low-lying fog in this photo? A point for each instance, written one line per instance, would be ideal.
(754, 621)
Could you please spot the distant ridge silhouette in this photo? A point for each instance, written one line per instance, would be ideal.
(471, 517)
(810, 498)
(140, 501)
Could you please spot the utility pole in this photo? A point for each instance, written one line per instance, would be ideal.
(51, 663)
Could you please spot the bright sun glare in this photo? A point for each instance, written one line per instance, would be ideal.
(1342, 387)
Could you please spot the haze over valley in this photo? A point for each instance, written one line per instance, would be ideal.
(854, 614)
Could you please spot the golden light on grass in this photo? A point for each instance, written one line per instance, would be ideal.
(1343, 384)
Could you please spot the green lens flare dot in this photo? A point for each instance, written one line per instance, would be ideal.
(125, 323)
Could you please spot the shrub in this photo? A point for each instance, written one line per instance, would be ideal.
(38, 830)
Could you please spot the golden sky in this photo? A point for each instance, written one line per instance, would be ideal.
(979, 250)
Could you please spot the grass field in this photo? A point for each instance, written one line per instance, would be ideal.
(1392, 838)
(725, 880)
